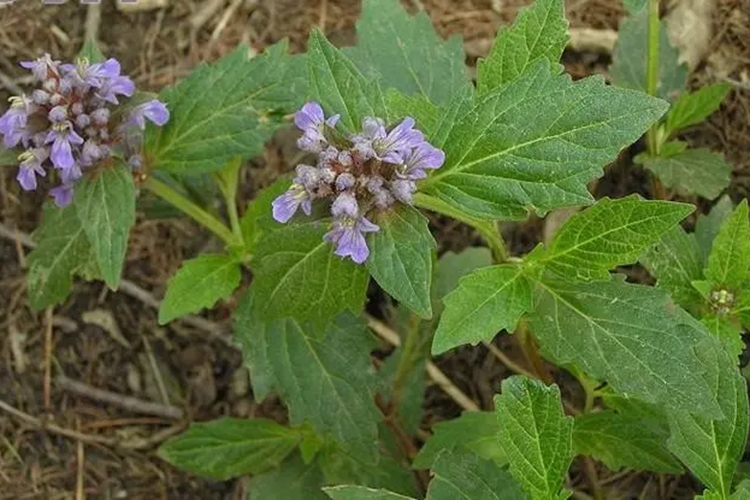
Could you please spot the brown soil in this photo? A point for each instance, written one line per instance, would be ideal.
(204, 374)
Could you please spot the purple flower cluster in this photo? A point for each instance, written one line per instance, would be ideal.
(362, 173)
(71, 122)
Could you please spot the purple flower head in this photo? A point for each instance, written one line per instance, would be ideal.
(63, 138)
(347, 235)
(421, 158)
(62, 195)
(389, 146)
(286, 205)
(112, 87)
(403, 189)
(30, 167)
(41, 67)
(156, 112)
(311, 121)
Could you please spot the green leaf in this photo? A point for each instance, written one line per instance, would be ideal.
(729, 332)
(91, 51)
(228, 447)
(536, 435)
(298, 276)
(539, 32)
(694, 171)
(464, 476)
(405, 53)
(486, 301)
(199, 283)
(339, 86)
(326, 380)
(610, 233)
(225, 110)
(634, 5)
(741, 309)
(707, 226)
(535, 143)
(675, 262)
(352, 492)
(292, 481)
(454, 266)
(258, 217)
(630, 336)
(411, 383)
(630, 58)
(425, 114)
(619, 441)
(62, 249)
(105, 205)
(713, 448)
(729, 261)
(401, 257)
(694, 107)
(8, 156)
(474, 431)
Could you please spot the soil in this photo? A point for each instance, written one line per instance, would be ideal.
(202, 373)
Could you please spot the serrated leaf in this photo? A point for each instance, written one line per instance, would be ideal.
(105, 205)
(713, 448)
(224, 110)
(535, 143)
(401, 257)
(610, 233)
(741, 309)
(539, 32)
(325, 380)
(454, 266)
(619, 441)
(630, 56)
(675, 262)
(476, 432)
(292, 481)
(630, 336)
(486, 301)
(258, 217)
(62, 249)
(405, 53)
(653, 417)
(464, 476)
(694, 107)
(426, 114)
(707, 226)
(225, 448)
(199, 283)
(729, 260)
(298, 276)
(91, 51)
(353, 492)
(411, 384)
(694, 171)
(536, 435)
(339, 86)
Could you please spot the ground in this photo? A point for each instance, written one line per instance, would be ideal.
(102, 451)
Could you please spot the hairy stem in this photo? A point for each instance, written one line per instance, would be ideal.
(488, 229)
(202, 217)
(653, 141)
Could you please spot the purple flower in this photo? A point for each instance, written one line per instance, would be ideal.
(286, 205)
(307, 176)
(30, 167)
(41, 67)
(112, 87)
(312, 121)
(62, 194)
(402, 190)
(154, 110)
(345, 181)
(390, 146)
(421, 158)
(347, 235)
(62, 136)
(345, 205)
(12, 125)
(58, 114)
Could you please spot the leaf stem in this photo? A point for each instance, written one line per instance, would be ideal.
(227, 179)
(488, 229)
(528, 345)
(202, 217)
(406, 359)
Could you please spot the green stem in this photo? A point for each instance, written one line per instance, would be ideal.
(406, 358)
(234, 218)
(488, 229)
(227, 179)
(652, 69)
(204, 218)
